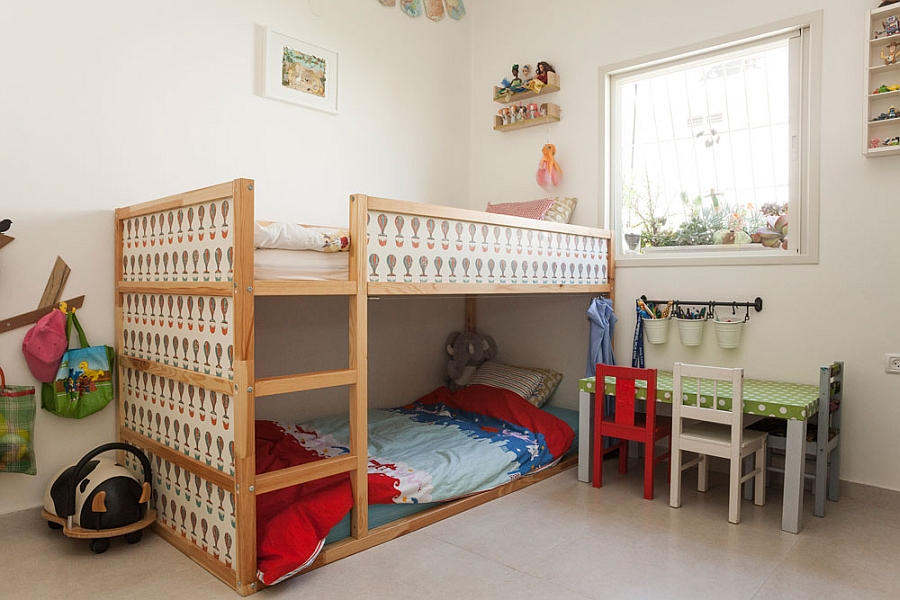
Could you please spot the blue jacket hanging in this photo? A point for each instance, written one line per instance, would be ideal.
(603, 320)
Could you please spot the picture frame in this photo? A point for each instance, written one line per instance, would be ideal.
(300, 73)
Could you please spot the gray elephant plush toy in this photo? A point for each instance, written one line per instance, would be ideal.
(467, 350)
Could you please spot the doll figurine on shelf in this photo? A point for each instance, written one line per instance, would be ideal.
(527, 75)
(509, 86)
(516, 83)
(891, 56)
(542, 69)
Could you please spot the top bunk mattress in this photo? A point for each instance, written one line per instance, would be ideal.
(272, 264)
(285, 251)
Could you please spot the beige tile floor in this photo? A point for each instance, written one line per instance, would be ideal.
(558, 539)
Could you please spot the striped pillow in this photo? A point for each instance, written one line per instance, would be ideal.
(520, 381)
(551, 380)
(533, 209)
(561, 210)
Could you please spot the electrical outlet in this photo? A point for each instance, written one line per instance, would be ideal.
(892, 363)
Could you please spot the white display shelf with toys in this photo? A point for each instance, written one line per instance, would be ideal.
(882, 119)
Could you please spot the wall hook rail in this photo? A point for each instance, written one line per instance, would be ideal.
(711, 305)
(50, 299)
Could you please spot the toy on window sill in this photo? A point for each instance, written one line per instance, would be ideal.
(548, 172)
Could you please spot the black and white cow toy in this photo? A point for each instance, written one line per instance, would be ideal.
(99, 496)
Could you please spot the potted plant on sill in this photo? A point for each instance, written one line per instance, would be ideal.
(775, 231)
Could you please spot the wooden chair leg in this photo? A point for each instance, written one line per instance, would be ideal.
(834, 474)
(675, 478)
(734, 491)
(703, 474)
(623, 456)
(669, 453)
(759, 480)
(748, 485)
(821, 482)
(597, 475)
(649, 454)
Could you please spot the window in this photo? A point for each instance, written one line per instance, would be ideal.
(711, 157)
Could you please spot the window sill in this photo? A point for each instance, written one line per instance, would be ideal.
(749, 254)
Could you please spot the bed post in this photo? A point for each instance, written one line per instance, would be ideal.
(359, 357)
(471, 313)
(244, 410)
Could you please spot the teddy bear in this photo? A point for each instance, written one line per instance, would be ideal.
(467, 350)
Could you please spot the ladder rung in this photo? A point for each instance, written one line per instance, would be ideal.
(262, 287)
(276, 480)
(284, 384)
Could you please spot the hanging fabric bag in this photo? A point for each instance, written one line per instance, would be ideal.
(84, 381)
(45, 343)
(17, 411)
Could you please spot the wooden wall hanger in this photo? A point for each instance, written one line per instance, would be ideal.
(49, 300)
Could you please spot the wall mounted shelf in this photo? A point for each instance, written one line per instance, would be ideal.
(551, 86)
(879, 74)
(552, 116)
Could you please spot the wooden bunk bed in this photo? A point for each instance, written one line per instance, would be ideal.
(185, 293)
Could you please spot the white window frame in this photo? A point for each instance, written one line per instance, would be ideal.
(804, 211)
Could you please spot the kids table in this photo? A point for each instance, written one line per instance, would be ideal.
(794, 402)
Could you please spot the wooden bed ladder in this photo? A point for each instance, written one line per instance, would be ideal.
(355, 377)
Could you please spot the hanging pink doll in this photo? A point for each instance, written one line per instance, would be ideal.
(549, 171)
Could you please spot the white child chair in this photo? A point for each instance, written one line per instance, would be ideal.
(708, 418)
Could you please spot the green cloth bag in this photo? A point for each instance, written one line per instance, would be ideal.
(17, 411)
(84, 383)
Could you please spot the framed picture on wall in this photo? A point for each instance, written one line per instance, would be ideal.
(300, 73)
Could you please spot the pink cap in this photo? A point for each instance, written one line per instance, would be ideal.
(45, 344)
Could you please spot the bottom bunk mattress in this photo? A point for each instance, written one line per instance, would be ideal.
(382, 514)
(443, 446)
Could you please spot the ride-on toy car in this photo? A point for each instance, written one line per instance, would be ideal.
(99, 499)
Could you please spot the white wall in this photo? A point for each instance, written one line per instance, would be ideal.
(107, 103)
(840, 308)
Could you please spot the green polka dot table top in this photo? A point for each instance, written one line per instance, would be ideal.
(768, 398)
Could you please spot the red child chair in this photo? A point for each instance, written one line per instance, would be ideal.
(626, 424)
